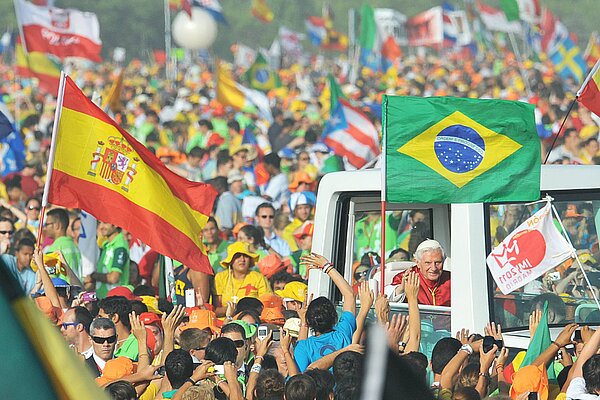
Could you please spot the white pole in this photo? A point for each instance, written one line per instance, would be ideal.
(168, 65)
(57, 114)
(566, 235)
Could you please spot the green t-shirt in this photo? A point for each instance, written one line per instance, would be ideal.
(114, 257)
(70, 252)
(129, 349)
(216, 257)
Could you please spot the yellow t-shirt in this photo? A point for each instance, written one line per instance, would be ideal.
(253, 285)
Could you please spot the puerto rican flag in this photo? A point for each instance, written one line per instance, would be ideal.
(316, 30)
(60, 32)
(350, 134)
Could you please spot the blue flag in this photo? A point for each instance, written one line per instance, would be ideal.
(14, 157)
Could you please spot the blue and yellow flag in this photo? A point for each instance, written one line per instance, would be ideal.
(260, 76)
(568, 61)
(451, 150)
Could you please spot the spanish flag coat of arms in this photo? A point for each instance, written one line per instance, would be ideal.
(452, 150)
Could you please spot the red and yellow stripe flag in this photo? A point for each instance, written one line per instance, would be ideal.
(97, 166)
(589, 94)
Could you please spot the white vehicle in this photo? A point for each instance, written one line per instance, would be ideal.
(347, 225)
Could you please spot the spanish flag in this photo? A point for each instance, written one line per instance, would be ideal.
(38, 65)
(589, 94)
(97, 166)
(261, 11)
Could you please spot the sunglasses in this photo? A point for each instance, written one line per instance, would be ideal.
(239, 343)
(6, 232)
(66, 325)
(101, 340)
(267, 216)
(33, 208)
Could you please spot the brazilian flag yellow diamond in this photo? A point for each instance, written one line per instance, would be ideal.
(459, 148)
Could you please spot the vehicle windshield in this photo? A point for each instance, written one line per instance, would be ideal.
(569, 297)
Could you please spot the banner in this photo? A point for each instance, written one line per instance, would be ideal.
(533, 248)
(60, 32)
(426, 28)
(391, 23)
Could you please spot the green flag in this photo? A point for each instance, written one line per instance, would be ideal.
(511, 9)
(335, 92)
(540, 341)
(368, 28)
(451, 150)
(260, 76)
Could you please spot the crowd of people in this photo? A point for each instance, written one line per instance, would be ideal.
(250, 331)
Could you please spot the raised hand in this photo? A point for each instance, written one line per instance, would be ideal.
(365, 295)
(395, 330)
(171, 322)
(137, 327)
(412, 284)
(382, 308)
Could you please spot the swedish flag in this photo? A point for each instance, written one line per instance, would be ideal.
(568, 61)
(450, 150)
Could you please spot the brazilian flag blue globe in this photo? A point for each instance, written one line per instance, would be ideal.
(453, 150)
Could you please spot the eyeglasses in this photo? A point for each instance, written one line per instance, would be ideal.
(66, 325)
(239, 343)
(6, 232)
(267, 216)
(101, 340)
(33, 208)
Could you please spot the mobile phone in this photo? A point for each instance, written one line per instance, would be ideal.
(577, 336)
(533, 396)
(219, 369)
(554, 276)
(488, 343)
(88, 297)
(190, 298)
(276, 336)
(263, 332)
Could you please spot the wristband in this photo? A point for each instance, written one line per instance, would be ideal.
(304, 325)
(326, 266)
(485, 375)
(402, 344)
(467, 348)
(259, 357)
(256, 368)
(556, 344)
(190, 380)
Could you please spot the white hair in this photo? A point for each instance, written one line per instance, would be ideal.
(428, 245)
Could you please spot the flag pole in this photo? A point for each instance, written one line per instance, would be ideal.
(562, 125)
(566, 235)
(383, 195)
(50, 167)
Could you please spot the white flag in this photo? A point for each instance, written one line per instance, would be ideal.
(88, 244)
(533, 248)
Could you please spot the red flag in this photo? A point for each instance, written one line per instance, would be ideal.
(390, 49)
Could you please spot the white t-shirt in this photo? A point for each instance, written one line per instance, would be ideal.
(577, 390)
(277, 190)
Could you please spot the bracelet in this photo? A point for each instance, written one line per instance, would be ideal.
(499, 366)
(303, 325)
(485, 375)
(190, 380)
(259, 357)
(256, 368)
(221, 381)
(556, 344)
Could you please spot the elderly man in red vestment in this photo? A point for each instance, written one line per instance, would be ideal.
(435, 282)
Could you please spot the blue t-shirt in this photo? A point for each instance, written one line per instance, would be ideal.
(315, 347)
(26, 277)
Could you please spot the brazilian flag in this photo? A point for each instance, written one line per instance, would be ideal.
(36, 362)
(452, 150)
(260, 76)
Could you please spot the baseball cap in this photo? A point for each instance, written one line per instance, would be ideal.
(203, 319)
(272, 264)
(123, 291)
(293, 326)
(293, 291)
(306, 228)
(301, 198)
(250, 330)
(150, 318)
(233, 176)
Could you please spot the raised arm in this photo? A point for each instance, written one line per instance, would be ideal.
(49, 289)
(366, 301)
(412, 282)
(313, 260)
(563, 339)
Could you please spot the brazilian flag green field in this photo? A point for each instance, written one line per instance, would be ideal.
(454, 150)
